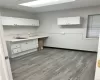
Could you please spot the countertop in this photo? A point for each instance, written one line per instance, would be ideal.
(29, 38)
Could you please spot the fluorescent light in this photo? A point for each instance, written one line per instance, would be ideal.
(39, 3)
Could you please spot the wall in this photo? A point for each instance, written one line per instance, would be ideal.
(11, 31)
(75, 36)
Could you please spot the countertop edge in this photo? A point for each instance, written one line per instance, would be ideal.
(18, 40)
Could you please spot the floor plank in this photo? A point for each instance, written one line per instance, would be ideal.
(54, 64)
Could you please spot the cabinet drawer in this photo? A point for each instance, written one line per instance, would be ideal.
(18, 50)
(15, 46)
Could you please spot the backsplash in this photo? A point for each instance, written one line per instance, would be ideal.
(23, 31)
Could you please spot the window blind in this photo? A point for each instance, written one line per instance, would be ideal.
(93, 29)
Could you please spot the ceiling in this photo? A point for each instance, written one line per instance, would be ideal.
(13, 4)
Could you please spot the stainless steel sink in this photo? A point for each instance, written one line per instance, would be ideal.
(20, 38)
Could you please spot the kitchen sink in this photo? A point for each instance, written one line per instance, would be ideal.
(20, 38)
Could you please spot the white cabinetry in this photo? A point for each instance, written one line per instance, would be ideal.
(17, 50)
(8, 21)
(69, 21)
(22, 47)
(19, 21)
(27, 45)
(15, 46)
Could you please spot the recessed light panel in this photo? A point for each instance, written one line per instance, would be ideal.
(40, 3)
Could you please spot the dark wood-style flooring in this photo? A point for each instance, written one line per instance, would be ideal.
(54, 64)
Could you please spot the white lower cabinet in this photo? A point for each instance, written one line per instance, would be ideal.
(22, 47)
(13, 46)
(27, 45)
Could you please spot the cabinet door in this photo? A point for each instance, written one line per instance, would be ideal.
(36, 22)
(31, 45)
(19, 21)
(73, 20)
(24, 22)
(69, 21)
(8, 21)
(35, 41)
(62, 21)
(28, 45)
(24, 46)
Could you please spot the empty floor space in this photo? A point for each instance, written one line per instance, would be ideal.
(54, 64)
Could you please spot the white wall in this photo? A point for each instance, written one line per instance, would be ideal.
(75, 36)
(16, 13)
(11, 31)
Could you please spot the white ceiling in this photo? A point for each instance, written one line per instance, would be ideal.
(13, 4)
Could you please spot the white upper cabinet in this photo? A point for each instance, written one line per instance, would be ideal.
(19, 21)
(69, 21)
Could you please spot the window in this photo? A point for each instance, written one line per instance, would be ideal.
(93, 29)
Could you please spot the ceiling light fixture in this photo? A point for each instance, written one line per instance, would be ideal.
(39, 3)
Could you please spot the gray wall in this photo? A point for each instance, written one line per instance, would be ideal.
(75, 36)
(11, 31)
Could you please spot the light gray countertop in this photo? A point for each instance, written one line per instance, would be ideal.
(29, 38)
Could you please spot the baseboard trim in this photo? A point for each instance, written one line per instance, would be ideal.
(70, 49)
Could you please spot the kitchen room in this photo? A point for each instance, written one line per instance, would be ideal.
(56, 43)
